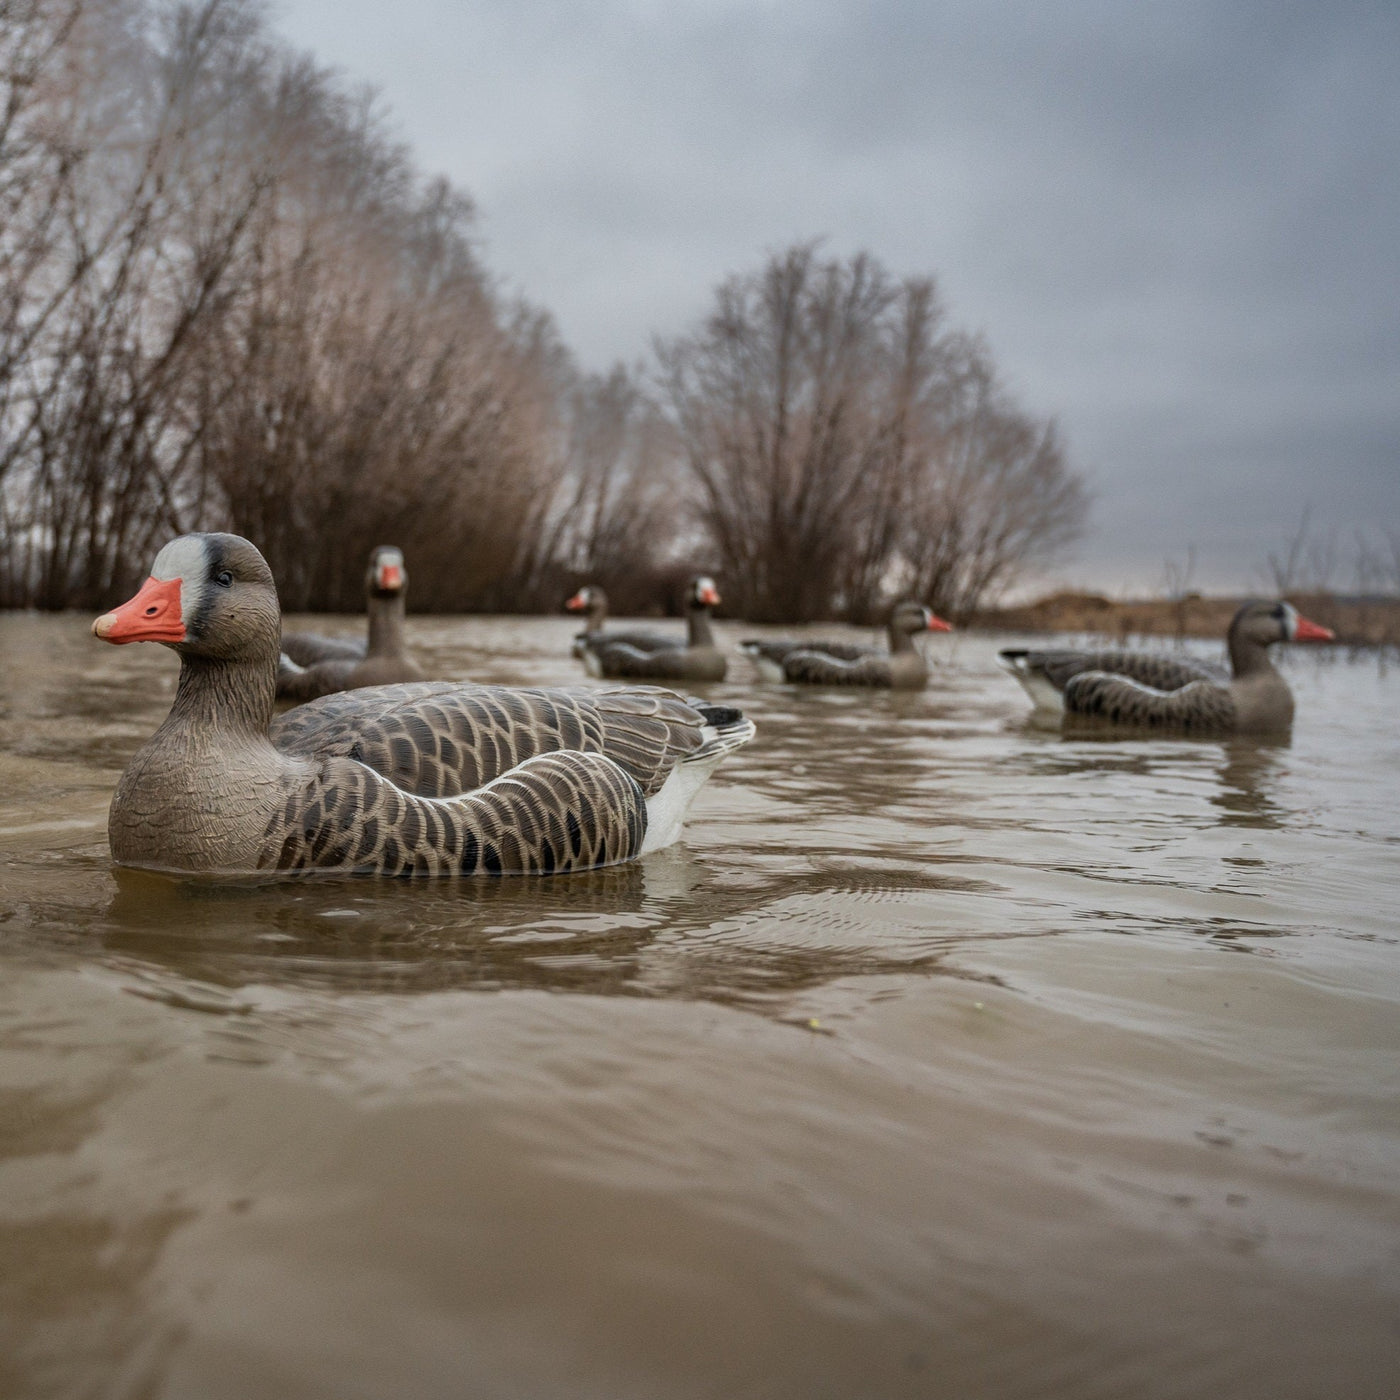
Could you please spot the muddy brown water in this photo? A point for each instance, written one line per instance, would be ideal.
(943, 1058)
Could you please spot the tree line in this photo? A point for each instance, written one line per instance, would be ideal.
(229, 299)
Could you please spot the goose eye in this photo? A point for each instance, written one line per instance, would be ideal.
(224, 579)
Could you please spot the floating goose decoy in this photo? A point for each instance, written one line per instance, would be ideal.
(1149, 689)
(841, 663)
(593, 603)
(643, 656)
(433, 778)
(312, 665)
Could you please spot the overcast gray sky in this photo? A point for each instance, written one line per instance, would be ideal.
(1177, 224)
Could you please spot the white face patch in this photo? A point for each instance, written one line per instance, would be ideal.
(1290, 622)
(388, 571)
(186, 559)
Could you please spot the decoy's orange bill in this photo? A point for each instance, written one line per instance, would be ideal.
(153, 615)
(1305, 631)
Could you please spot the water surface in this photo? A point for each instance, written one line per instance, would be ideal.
(944, 1057)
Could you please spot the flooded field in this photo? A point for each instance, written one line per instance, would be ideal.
(943, 1058)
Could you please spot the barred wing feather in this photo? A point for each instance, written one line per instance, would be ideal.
(1202, 705)
(1148, 668)
(823, 667)
(552, 813)
(443, 738)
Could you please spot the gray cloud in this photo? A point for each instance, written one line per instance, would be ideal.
(1177, 225)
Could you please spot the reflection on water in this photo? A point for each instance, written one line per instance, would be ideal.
(917, 1069)
(652, 927)
(1248, 771)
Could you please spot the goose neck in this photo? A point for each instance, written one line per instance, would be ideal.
(901, 641)
(698, 626)
(227, 699)
(386, 625)
(1248, 657)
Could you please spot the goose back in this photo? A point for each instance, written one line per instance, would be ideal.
(1148, 668)
(1200, 704)
(625, 661)
(777, 650)
(441, 739)
(810, 666)
(308, 648)
(637, 638)
(302, 683)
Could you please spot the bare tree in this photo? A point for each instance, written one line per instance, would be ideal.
(994, 495)
(1283, 566)
(847, 445)
(130, 236)
(617, 519)
(791, 405)
(1178, 579)
(1306, 563)
(231, 300)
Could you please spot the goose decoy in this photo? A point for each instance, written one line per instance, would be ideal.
(432, 778)
(841, 663)
(312, 665)
(592, 602)
(1150, 690)
(642, 656)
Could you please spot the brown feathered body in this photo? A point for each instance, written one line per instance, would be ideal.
(1150, 690)
(434, 778)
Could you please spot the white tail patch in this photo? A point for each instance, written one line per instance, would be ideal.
(668, 808)
(767, 668)
(1047, 698)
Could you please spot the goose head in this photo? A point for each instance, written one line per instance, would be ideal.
(702, 593)
(590, 598)
(1262, 623)
(1258, 625)
(387, 576)
(208, 596)
(913, 617)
